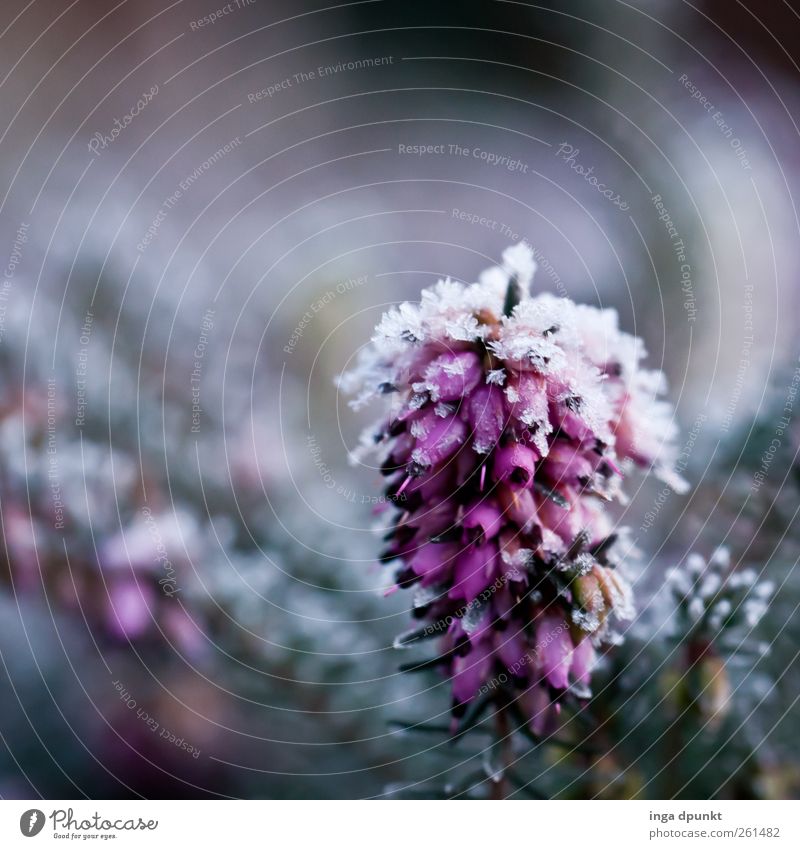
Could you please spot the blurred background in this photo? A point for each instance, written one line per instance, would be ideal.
(205, 209)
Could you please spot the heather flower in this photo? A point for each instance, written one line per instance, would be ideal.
(96, 556)
(512, 421)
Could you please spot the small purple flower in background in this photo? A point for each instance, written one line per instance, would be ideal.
(513, 420)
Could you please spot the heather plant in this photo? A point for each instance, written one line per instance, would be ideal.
(513, 423)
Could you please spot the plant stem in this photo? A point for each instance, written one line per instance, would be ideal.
(500, 788)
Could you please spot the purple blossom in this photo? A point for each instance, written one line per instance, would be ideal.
(512, 419)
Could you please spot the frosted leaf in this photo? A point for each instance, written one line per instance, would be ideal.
(695, 564)
(723, 607)
(496, 376)
(427, 595)
(622, 598)
(604, 343)
(721, 557)
(678, 484)
(754, 610)
(406, 640)
(709, 585)
(719, 613)
(465, 329)
(367, 445)
(696, 609)
(473, 617)
(518, 261)
(764, 589)
(524, 347)
(400, 326)
(679, 580)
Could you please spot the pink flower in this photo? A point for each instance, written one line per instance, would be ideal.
(511, 419)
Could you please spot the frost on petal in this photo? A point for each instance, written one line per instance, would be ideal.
(607, 347)
(400, 326)
(496, 376)
(526, 350)
(464, 328)
(487, 417)
(366, 378)
(440, 439)
(518, 262)
(451, 376)
(527, 397)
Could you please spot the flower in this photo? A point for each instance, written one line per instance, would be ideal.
(511, 421)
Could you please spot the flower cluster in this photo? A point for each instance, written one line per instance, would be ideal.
(76, 529)
(714, 599)
(512, 421)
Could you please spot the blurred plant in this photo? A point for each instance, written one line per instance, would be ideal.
(669, 717)
(179, 556)
(512, 419)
